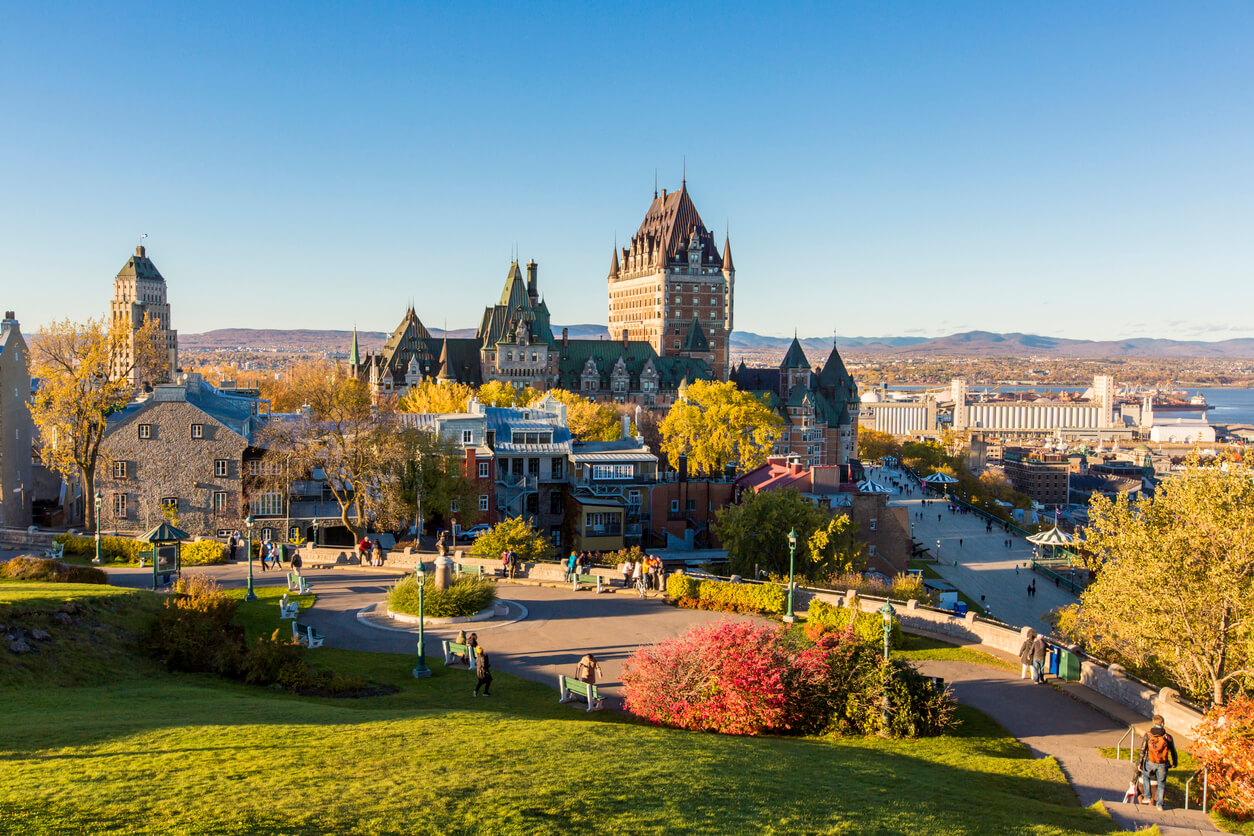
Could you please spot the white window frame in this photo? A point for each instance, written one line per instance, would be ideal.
(468, 436)
(484, 470)
(198, 431)
(219, 503)
(221, 467)
(119, 470)
(267, 504)
(145, 432)
(483, 502)
(602, 472)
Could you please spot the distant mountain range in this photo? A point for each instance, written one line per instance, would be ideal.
(969, 344)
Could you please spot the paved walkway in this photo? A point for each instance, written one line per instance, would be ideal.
(984, 566)
(562, 625)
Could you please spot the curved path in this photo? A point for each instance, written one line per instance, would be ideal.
(562, 625)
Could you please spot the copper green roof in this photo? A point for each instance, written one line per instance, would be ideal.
(139, 266)
(695, 340)
(500, 321)
(795, 358)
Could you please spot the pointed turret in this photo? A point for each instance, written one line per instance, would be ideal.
(444, 374)
(354, 355)
(795, 358)
(614, 264)
(728, 267)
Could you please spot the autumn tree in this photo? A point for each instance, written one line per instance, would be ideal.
(429, 396)
(514, 534)
(1174, 594)
(755, 533)
(85, 372)
(348, 438)
(287, 392)
(431, 480)
(717, 424)
(501, 394)
(587, 419)
(874, 445)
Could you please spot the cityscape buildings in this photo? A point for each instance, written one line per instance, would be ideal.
(139, 293)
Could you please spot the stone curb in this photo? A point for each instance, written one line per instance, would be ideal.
(364, 613)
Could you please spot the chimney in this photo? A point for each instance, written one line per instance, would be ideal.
(10, 320)
(140, 251)
(565, 338)
(626, 427)
(532, 290)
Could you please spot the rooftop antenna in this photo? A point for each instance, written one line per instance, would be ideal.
(684, 182)
(655, 184)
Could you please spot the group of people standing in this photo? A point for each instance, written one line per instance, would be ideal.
(647, 569)
(273, 555)
(370, 554)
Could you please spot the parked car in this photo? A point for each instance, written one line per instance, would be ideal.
(469, 535)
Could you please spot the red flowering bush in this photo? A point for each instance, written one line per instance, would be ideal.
(741, 678)
(1224, 741)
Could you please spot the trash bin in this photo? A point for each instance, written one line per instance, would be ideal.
(960, 608)
(1053, 661)
(1069, 666)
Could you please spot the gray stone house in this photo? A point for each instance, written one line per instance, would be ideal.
(16, 486)
(187, 446)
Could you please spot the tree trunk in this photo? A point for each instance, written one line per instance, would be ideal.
(89, 499)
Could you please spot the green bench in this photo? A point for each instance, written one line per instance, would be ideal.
(571, 688)
(296, 583)
(591, 580)
(453, 650)
(288, 608)
(463, 569)
(55, 552)
(306, 635)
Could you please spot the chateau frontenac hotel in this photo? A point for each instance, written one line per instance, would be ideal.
(671, 294)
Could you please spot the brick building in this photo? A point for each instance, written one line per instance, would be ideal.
(670, 278)
(1042, 475)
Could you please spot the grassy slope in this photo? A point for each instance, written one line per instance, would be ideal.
(163, 753)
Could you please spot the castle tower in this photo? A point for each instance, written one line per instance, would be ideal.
(671, 274)
(139, 292)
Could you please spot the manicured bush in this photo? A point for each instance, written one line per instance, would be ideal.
(722, 596)
(467, 595)
(112, 549)
(27, 568)
(742, 678)
(203, 553)
(868, 627)
(1224, 742)
(514, 534)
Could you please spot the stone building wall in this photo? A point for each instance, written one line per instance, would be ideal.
(171, 464)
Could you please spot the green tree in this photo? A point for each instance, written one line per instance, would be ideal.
(516, 535)
(755, 533)
(1174, 594)
(716, 424)
(922, 455)
(431, 479)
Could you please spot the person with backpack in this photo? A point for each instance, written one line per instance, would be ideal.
(483, 670)
(1025, 654)
(588, 670)
(1038, 659)
(572, 564)
(1158, 754)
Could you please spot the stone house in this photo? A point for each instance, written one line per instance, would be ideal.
(16, 485)
(186, 447)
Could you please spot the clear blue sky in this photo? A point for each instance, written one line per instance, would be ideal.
(1075, 169)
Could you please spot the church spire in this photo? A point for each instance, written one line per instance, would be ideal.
(728, 267)
(614, 263)
(354, 355)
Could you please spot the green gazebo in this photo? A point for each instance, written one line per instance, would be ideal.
(166, 552)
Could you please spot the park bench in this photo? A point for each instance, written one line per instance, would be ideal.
(571, 688)
(288, 608)
(144, 557)
(452, 650)
(590, 580)
(463, 569)
(56, 551)
(296, 582)
(306, 635)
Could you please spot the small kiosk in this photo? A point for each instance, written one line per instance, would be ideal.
(166, 541)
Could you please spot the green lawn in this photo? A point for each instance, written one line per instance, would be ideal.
(146, 751)
(923, 647)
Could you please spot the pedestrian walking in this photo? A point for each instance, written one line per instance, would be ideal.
(263, 551)
(296, 561)
(233, 544)
(483, 671)
(1038, 660)
(571, 563)
(376, 553)
(1025, 654)
(505, 563)
(628, 568)
(588, 670)
(1158, 754)
(1029, 590)
(959, 541)
(637, 571)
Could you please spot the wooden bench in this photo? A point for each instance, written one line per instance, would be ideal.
(571, 688)
(144, 557)
(306, 635)
(463, 569)
(296, 582)
(55, 552)
(453, 650)
(288, 608)
(590, 580)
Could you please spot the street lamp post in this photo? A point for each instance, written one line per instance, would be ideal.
(250, 595)
(421, 670)
(792, 554)
(317, 522)
(888, 612)
(99, 501)
(938, 550)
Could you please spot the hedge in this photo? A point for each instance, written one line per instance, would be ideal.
(867, 626)
(766, 598)
(126, 550)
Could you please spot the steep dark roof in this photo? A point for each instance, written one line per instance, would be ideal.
(408, 338)
(727, 259)
(636, 356)
(500, 320)
(695, 340)
(139, 266)
(753, 380)
(795, 358)
(668, 227)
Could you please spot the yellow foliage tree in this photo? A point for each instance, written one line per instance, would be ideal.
(587, 419)
(430, 396)
(716, 424)
(500, 393)
(84, 371)
(288, 393)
